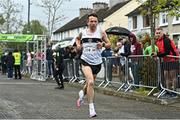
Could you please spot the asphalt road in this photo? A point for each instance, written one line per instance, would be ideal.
(28, 99)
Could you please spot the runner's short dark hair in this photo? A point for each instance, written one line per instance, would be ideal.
(92, 14)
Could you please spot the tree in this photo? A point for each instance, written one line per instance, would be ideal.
(52, 10)
(35, 28)
(2, 20)
(152, 8)
(12, 20)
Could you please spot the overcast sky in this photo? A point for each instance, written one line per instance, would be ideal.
(69, 9)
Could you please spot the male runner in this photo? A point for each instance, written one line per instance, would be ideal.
(90, 41)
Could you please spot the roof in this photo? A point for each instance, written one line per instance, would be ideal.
(115, 8)
(136, 11)
(81, 22)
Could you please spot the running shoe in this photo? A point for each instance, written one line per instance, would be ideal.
(93, 115)
(79, 103)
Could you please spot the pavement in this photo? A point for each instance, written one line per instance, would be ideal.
(138, 96)
(135, 96)
(31, 99)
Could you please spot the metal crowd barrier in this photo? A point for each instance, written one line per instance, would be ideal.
(169, 75)
(38, 71)
(24, 67)
(112, 71)
(102, 76)
(77, 75)
(141, 71)
(68, 72)
(135, 71)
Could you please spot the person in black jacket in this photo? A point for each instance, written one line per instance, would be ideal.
(127, 48)
(10, 63)
(59, 67)
(3, 64)
(50, 61)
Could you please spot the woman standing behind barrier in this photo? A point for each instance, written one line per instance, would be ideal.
(91, 59)
(121, 50)
(135, 50)
(126, 53)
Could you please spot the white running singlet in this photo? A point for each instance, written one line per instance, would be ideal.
(91, 54)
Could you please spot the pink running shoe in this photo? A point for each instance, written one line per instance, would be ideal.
(93, 115)
(79, 103)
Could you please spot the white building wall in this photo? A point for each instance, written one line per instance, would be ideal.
(140, 28)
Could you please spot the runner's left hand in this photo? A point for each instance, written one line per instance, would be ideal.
(99, 45)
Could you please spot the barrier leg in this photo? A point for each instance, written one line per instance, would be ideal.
(128, 88)
(121, 86)
(106, 84)
(101, 83)
(161, 93)
(151, 91)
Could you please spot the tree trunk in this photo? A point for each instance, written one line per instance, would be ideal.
(152, 25)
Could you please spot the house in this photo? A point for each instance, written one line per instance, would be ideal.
(118, 17)
(76, 25)
(108, 17)
(140, 24)
(170, 25)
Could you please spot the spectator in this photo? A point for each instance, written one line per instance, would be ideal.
(127, 48)
(135, 64)
(59, 68)
(50, 60)
(122, 58)
(17, 63)
(107, 52)
(3, 63)
(29, 62)
(169, 64)
(10, 62)
(135, 45)
(149, 50)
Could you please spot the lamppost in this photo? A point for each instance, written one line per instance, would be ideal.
(28, 16)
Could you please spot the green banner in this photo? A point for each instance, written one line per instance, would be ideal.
(15, 38)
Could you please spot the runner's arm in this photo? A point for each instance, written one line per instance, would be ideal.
(106, 42)
(78, 41)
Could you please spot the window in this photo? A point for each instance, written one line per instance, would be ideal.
(135, 22)
(146, 22)
(163, 19)
(176, 20)
(68, 33)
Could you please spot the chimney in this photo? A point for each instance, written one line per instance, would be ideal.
(84, 11)
(114, 2)
(99, 5)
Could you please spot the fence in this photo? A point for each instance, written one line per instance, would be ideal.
(142, 71)
(126, 74)
(131, 73)
(169, 69)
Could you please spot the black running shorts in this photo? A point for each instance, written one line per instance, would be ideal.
(95, 68)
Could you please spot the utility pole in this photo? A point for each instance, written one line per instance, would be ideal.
(28, 31)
